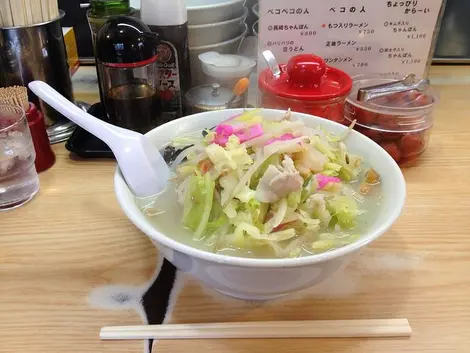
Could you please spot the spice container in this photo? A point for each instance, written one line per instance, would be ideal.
(306, 84)
(207, 98)
(226, 69)
(400, 122)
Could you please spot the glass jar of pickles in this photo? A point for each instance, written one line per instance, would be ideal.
(399, 122)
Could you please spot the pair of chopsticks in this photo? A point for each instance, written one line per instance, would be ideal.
(273, 329)
(27, 12)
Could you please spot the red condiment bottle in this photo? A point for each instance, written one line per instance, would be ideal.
(307, 85)
(45, 157)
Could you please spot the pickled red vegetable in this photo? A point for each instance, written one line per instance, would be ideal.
(392, 149)
(411, 144)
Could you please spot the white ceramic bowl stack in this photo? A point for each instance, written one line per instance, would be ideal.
(214, 25)
(255, 10)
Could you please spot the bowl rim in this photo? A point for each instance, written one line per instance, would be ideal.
(241, 18)
(227, 42)
(215, 6)
(120, 187)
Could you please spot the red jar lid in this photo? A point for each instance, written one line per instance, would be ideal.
(306, 77)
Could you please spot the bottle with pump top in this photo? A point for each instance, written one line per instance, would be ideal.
(169, 19)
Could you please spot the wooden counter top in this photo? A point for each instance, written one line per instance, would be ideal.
(70, 262)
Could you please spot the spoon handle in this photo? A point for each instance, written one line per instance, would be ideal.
(108, 133)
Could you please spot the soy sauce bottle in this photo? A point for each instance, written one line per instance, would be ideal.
(126, 52)
(169, 19)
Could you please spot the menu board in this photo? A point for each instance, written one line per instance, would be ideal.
(357, 36)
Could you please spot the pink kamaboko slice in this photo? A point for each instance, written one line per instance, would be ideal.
(324, 180)
(243, 135)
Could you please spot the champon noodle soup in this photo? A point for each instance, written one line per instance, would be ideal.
(253, 187)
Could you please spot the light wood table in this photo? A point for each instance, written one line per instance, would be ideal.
(72, 247)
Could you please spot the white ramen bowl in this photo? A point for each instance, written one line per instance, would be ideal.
(261, 279)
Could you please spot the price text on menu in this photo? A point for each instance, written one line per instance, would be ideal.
(360, 37)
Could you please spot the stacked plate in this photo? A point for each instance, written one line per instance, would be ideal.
(214, 25)
(255, 10)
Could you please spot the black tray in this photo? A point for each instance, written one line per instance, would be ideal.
(84, 144)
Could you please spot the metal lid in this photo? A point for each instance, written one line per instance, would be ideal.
(393, 95)
(209, 97)
(305, 77)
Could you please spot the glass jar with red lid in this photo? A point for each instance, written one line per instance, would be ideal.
(399, 122)
(306, 85)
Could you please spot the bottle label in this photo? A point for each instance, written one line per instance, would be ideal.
(169, 85)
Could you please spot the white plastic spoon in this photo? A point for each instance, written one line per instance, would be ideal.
(141, 164)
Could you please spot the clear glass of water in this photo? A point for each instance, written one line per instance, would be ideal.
(19, 180)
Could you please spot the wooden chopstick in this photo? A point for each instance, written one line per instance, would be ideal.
(53, 8)
(272, 329)
(18, 12)
(27, 12)
(29, 9)
(36, 11)
(44, 10)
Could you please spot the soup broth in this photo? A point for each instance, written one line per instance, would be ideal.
(165, 214)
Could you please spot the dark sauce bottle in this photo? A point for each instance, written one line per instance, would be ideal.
(170, 21)
(126, 52)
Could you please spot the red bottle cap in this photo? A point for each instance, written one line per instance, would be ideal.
(45, 157)
(306, 77)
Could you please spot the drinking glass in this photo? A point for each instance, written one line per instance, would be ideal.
(19, 180)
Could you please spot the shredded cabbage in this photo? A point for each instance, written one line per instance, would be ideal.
(198, 203)
(219, 187)
(344, 211)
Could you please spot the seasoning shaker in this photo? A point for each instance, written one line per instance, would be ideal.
(226, 69)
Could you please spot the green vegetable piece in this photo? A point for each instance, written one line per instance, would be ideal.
(294, 198)
(273, 160)
(217, 219)
(344, 211)
(198, 203)
(323, 245)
